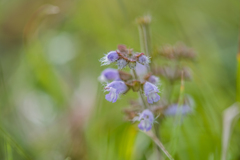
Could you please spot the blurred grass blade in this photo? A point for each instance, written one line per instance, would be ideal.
(11, 142)
(9, 151)
(238, 72)
(178, 119)
(229, 115)
(44, 72)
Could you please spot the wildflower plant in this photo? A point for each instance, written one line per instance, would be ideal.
(145, 78)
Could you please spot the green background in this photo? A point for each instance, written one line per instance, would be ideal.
(52, 105)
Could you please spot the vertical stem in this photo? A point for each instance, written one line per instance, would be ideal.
(144, 33)
(178, 117)
(142, 45)
(140, 92)
(144, 37)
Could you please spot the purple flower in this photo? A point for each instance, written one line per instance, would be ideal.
(112, 56)
(141, 71)
(173, 109)
(109, 74)
(154, 80)
(151, 91)
(144, 60)
(115, 88)
(146, 119)
(121, 63)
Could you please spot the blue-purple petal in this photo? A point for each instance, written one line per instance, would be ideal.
(112, 56)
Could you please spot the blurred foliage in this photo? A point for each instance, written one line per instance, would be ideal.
(53, 107)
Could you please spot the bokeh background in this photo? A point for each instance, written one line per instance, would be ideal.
(52, 106)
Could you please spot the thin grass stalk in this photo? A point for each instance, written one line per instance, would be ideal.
(238, 71)
(10, 140)
(230, 115)
(178, 117)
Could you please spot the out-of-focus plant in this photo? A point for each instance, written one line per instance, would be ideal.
(145, 79)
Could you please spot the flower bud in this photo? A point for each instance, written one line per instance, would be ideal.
(111, 57)
(144, 60)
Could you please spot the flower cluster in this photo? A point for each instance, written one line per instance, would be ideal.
(179, 51)
(173, 74)
(124, 57)
(120, 82)
(142, 80)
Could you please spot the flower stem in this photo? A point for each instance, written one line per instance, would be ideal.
(140, 92)
(159, 144)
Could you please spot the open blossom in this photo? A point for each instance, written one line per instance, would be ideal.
(151, 91)
(146, 119)
(111, 57)
(144, 60)
(121, 63)
(174, 109)
(115, 88)
(109, 74)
